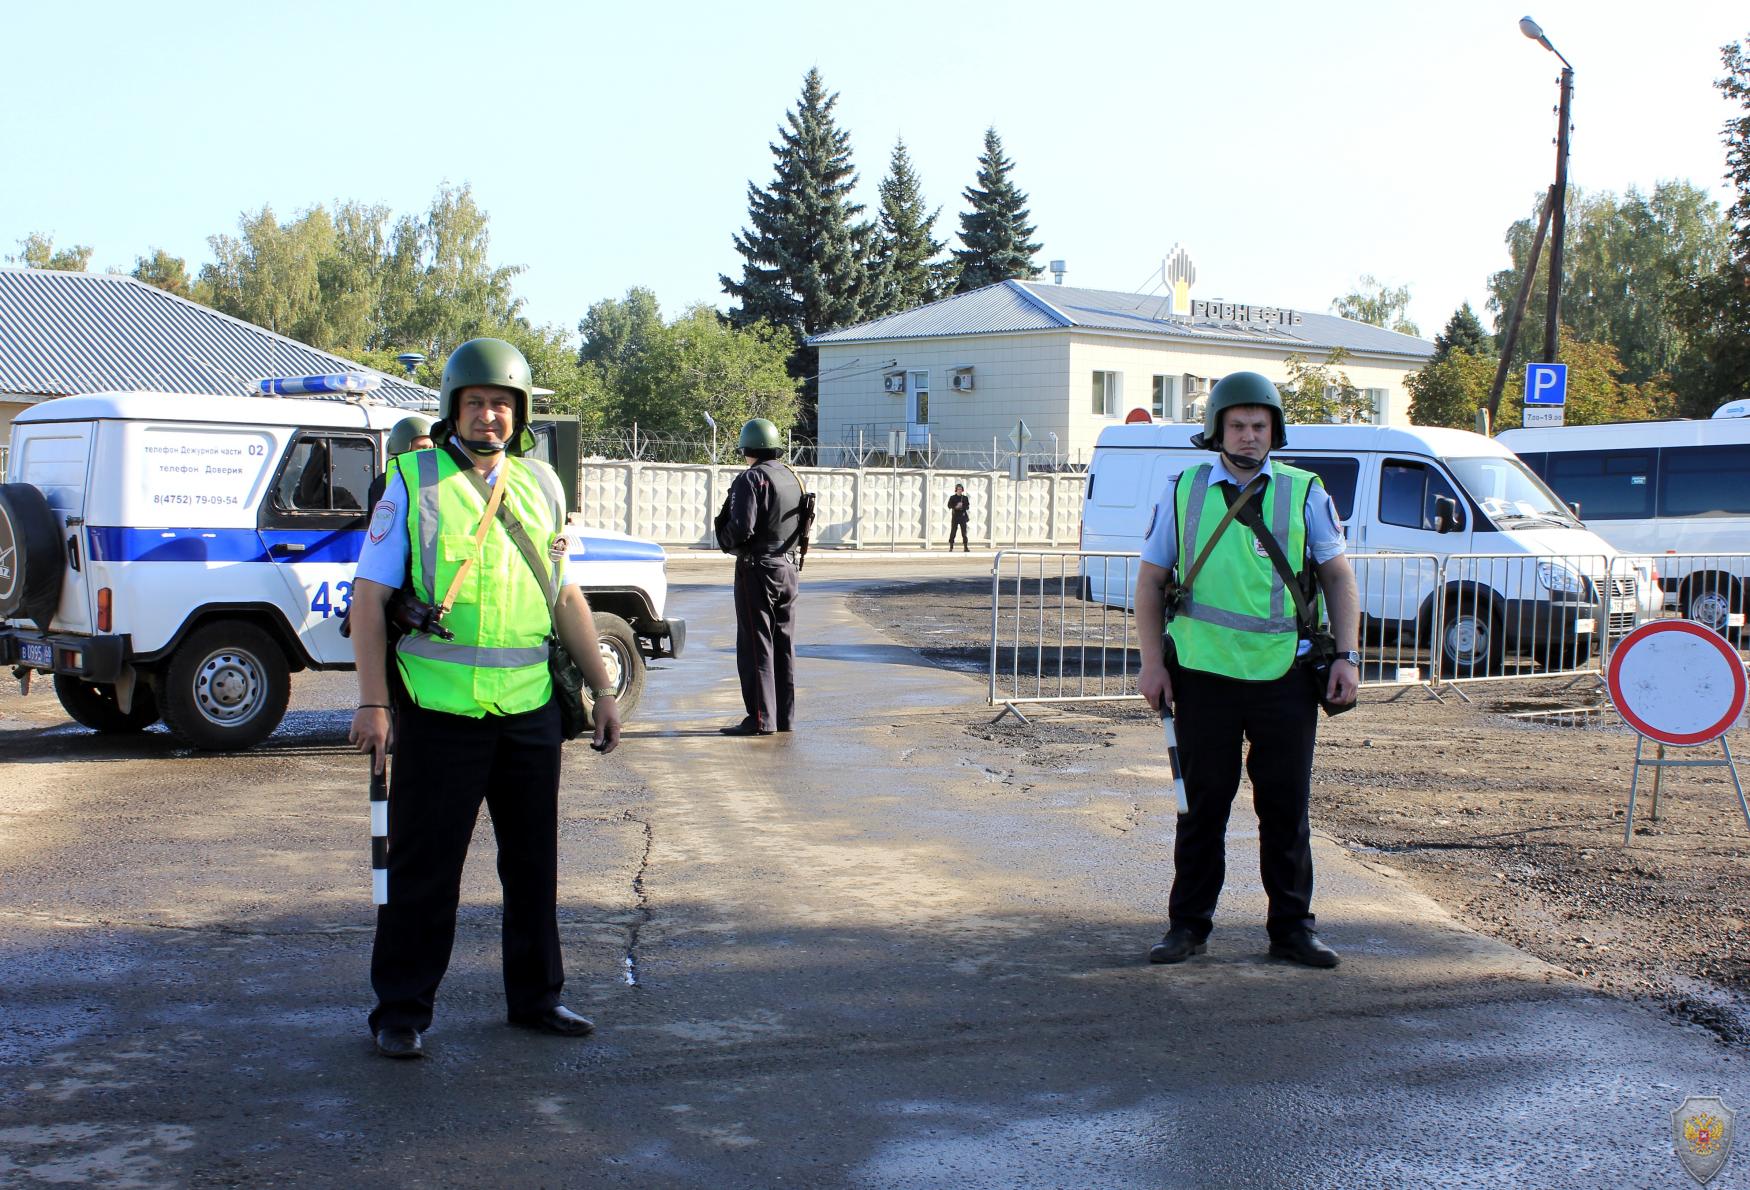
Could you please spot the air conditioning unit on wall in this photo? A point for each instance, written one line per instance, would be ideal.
(962, 381)
(893, 382)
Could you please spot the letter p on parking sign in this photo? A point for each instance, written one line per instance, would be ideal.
(1546, 393)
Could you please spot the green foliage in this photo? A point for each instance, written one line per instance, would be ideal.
(1374, 302)
(1628, 267)
(1450, 389)
(167, 272)
(663, 376)
(37, 251)
(1319, 393)
(1735, 86)
(995, 233)
(804, 250)
(1464, 332)
(908, 254)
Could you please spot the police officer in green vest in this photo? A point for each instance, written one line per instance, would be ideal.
(1231, 666)
(479, 722)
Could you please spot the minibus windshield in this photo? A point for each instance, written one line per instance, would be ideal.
(1506, 490)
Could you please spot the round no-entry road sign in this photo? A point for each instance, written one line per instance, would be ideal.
(1677, 682)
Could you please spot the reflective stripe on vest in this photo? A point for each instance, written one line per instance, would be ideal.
(1239, 619)
(497, 663)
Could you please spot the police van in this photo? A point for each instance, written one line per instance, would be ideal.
(177, 557)
(1523, 574)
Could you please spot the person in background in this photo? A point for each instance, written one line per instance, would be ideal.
(959, 515)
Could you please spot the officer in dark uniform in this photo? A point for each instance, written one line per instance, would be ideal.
(959, 514)
(760, 523)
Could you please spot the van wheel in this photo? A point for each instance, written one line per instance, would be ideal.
(1470, 647)
(1709, 599)
(226, 687)
(625, 664)
(95, 705)
(32, 562)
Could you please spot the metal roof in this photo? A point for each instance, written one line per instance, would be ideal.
(65, 333)
(1010, 307)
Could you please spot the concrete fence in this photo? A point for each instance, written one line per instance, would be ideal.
(857, 507)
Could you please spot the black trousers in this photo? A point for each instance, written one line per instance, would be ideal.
(765, 641)
(1215, 716)
(958, 526)
(444, 767)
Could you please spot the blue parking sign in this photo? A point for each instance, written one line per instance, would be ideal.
(1546, 384)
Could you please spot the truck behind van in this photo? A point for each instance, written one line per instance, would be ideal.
(177, 557)
(1523, 575)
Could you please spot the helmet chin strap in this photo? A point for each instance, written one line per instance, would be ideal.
(1241, 461)
(483, 446)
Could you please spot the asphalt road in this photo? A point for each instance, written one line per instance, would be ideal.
(882, 952)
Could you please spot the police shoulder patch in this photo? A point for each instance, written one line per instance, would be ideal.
(382, 520)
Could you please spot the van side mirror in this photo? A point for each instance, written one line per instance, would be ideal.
(1574, 507)
(1446, 515)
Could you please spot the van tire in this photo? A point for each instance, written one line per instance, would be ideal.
(95, 706)
(30, 537)
(1709, 598)
(1470, 644)
(226, 687)
(619, 649)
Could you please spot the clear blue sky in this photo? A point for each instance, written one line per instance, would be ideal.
(1290, 147)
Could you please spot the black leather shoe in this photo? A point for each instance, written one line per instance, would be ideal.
(745, 727)
(400, 1042)
(1303, 946)
(1178, 945)
(557, 1019)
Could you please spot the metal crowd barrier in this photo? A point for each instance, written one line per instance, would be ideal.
(1061, 628)
(1710, 589)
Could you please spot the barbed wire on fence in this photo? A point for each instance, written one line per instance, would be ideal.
(914, 451)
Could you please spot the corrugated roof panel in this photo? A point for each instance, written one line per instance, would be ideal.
(1033, 306)
(64, 333)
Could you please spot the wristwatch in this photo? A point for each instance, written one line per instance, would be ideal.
(1353, 657)
(600, 694)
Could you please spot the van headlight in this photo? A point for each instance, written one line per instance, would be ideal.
(1558, 578)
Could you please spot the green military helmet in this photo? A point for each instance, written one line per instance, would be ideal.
(759, 434)
(498, 364)
(406, 430)
(1234, 390)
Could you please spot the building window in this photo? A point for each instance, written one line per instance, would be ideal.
(1106, 393)
(1166, 399)
(1376, 402)
(918, 398)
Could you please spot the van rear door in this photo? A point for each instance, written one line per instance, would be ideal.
(55, 457)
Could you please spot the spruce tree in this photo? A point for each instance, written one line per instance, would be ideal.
(907, 253)
(1464, 332)
(805, 252)
(995, 231)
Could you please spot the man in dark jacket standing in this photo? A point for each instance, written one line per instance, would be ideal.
(760, 524)
(959, 513)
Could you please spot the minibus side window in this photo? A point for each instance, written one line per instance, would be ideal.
(1704, 481)
(1407, 492)
(1608, 485)
(1339, 475)
(326, 475)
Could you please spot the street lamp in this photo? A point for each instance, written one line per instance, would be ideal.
(712, 422)
(1558, 210)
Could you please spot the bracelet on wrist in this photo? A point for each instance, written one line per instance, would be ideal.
(381, 706)
(598, 695)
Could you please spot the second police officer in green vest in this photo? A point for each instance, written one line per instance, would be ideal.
(1232, 666)
(479, 722)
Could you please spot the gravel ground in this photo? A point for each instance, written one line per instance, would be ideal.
(1515, 826)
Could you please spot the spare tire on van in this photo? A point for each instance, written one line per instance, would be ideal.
(32, 565)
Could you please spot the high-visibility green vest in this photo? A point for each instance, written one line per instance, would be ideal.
(1239, 619)
(497, 663)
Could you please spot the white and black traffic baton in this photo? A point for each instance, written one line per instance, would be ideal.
(1173, 759)
(379, 837)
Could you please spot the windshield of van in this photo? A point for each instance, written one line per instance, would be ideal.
(1507, 491)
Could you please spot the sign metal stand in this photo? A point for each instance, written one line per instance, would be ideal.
(1678, 684)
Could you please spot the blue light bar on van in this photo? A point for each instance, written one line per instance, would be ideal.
(340, 382)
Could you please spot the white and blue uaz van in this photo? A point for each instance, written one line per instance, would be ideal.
(178, 557)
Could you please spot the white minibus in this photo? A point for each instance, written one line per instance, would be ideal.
(1676, 491)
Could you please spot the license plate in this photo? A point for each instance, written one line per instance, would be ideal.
(33, 652)
(1622, 604)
